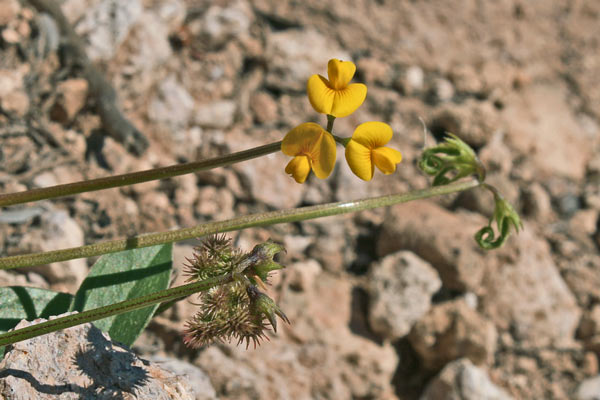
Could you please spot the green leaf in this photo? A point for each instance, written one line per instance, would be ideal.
(20, 302)
(122, 276)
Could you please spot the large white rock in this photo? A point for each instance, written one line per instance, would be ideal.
(400, 289)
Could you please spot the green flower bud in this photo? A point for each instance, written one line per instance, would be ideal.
(450, 161)
(261, 306)
(261, 259)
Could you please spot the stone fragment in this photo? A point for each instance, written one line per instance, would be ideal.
(82, 362)
(529, 296)
(215, 203)
(301, 275)
(440, 237)
(9, 9)
(11, 36)
(536, 202)
(541, 125)
(496, 155)
(263, 108)
(172, 106)
(197, 380)
(16, 102)
(71, 97)
(462, 380)
(220, 24)
(414, 79)
(373, 70)
(442, 90)
(147, 48)
(10, 80)
(319, 358)
(589, 326)
(589, 389)
(45, 179)
(473, 121)
(582, 274)
(400, 289)
(106, 24)
(218, 114)
(59, 231)
(453, 330)
(293, 57)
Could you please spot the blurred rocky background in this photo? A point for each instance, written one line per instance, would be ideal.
(395, 303)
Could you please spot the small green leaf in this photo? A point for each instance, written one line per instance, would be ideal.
(20, 302)
(122, 276)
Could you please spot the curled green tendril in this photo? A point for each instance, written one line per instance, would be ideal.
(505, 217)
(485, 238)
(450, 161)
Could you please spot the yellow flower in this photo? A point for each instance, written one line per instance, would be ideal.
(365, 150)
(312, 148)
(335, 96)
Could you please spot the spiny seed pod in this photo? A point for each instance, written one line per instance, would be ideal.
(215, 256)
(237, 309)
(224, 315)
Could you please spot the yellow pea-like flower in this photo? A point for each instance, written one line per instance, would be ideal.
(335, 96)
(366, 150)
(312, 148)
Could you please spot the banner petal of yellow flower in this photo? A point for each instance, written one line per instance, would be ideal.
(340, 73)
(373, 134)
(347, 100)
(301, 139)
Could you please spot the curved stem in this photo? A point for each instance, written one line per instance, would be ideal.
(113, 309)
(52, 192)
(248, 221)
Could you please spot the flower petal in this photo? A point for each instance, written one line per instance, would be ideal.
(340, 73)
(347, 100)
(299, 168)
(301, 139)
(320, 94)
(372, 134)
(386, 158)
(323, 156)
(359, 160)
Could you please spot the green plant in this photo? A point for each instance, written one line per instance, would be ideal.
(130, 280)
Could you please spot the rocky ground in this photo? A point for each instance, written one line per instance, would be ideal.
(395, 303)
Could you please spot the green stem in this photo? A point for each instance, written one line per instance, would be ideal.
(135, 177)
(330, 120)
(234, 224)
(341, 140)
(113, 309)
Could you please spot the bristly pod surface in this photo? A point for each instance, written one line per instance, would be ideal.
(236, 310)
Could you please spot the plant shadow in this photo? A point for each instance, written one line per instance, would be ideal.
(114, 372)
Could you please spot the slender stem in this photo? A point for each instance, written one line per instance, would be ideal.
(135, 177)
(113, 309)
(330, 120)
(234, 224)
